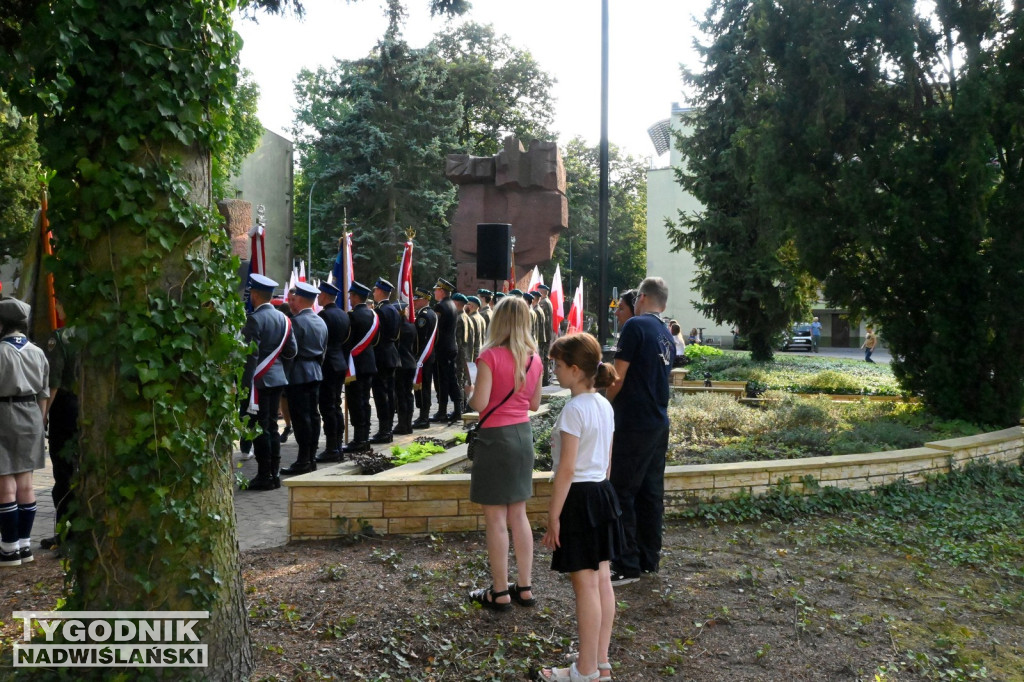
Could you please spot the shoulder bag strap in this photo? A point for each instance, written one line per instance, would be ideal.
(480, 423)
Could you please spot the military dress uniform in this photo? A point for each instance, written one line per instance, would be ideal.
(363, 329)
(544, 342)
(405, 373)
(24, 385)
(465, 339)
(446, 354)
(334, 367)
(386, 354)
(304, 377)
(269, 329)
(426, 324)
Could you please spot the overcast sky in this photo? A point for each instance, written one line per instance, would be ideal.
(648, 41)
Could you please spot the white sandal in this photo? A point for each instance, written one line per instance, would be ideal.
(559, 675)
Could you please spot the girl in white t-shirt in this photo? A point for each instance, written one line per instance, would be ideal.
(583, 515)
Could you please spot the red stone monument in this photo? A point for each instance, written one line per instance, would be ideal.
(525, 188)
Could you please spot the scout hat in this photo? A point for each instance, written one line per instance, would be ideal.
(460, 297)
(474, 299)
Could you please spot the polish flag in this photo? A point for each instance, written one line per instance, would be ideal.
(557, 305)
(576, 311)
(535, 280)
(302, 271)
(341, 273)
(405, 281)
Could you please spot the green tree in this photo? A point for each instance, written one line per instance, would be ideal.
(896, 145)
(748, 269)
(134, 98)
(501, 89)
(627, 221)
(19, 183)
(384, 163)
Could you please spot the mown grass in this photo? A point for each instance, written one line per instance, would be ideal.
(800, 374)
(709, 428)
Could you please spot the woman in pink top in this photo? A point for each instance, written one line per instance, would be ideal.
(507, 387)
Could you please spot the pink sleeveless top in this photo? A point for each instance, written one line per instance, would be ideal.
(516, 409)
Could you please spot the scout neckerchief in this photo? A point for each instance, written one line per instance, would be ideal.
(363, 344)
(264, 367)
(17, 341)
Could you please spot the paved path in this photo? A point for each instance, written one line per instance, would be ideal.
(262, 516)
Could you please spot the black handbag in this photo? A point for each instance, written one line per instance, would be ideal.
(473, 430)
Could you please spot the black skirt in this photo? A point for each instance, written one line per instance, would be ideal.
(589, 528)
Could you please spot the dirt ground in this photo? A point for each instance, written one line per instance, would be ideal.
(768, 601)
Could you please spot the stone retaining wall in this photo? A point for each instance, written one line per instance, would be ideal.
(414, 499)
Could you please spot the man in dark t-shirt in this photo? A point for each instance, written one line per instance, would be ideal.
(643, 361)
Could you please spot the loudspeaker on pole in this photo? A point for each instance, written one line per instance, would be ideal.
(493, 250)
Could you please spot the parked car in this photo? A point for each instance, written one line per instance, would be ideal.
(797, 338)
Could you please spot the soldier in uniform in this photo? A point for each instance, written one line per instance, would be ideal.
(485, 304)
(385, 352)
(528, 297)
(446, 353)
(426, 338)
(465, 334)
(362, 365)
(62, 423)
(265, 378)
(335, 364)
(304, 377)
(405, 373)
(479, 326)
(24, 390)
(546, 332)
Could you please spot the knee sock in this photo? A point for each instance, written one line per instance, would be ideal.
(26, 517)
(9, 527)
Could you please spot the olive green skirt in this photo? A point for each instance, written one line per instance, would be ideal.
(502, 470)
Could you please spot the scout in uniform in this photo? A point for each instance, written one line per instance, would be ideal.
(335, 364)
(385, 352)
(24, 390)
(362, 365)
(465, 339)
(304, 377)
(264, 375)
(479, 326)
(62, 423)
(485, 296)
(426, 339)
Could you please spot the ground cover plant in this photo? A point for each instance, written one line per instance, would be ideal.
(798, 374)
(710, 428)
(907, 584)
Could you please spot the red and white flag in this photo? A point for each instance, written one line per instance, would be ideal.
(576, 311)
(535, 280)
(557, 304)
(302, 271)
(405, 281)
(258, 256)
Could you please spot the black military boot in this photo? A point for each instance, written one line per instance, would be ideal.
(263, 480)
(456, 415)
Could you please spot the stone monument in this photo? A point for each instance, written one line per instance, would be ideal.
(523, 188)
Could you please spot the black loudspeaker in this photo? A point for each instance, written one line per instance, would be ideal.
(493, 250)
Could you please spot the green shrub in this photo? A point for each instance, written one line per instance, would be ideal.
(694, 351)
(831, 381)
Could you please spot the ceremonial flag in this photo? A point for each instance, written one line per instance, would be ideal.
(511, 274)
(342, 270)
(576, 311)
(557, 304)
(302, 271)
(292, 281)
(535, 280)
(257, 258)
(405, 281)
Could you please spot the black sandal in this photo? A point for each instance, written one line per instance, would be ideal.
(481, 597)
(516, 594)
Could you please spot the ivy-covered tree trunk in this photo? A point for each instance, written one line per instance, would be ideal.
(137, 95)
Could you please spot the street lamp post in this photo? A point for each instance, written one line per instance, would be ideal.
(309, 227)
